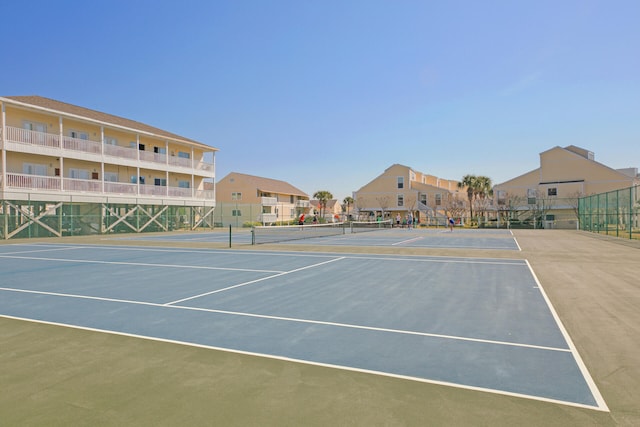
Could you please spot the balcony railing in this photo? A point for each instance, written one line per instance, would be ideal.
(303, 204)
(50, 140)
(83, 145)
(31, 137)
(82, 185)
(34, 182)
(122, 152)
(268, 201)
(55, 184)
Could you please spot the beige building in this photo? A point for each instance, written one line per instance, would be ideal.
(401, 190)
(548, 196)
(71, 170)
(332, 212)
(246, 198)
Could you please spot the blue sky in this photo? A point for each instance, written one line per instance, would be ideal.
(327, 94)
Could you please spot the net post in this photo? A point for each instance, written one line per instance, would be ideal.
(229, 235)
(253, 235)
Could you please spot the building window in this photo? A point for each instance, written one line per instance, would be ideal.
(531, 196)
(400, 182)
(502, 197)
(78, 173)
(184, 184)
(110, 177)
(423, 199)
(110, 141)
(78, 135)
(38, 127)
(162, 182)
(438, 199)
(400, 200)
(34, 169)
(552, 191)
(184, 155)
(236, 212)
(236, 196)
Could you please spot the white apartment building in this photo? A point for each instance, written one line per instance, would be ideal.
(69, 170)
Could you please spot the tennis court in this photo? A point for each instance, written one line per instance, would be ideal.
(474, 323)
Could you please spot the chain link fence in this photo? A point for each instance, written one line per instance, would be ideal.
(615, 213)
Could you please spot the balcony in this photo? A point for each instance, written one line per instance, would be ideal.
(49, 144)
(267, 218)
(57, 185)
(268, 201)
(303, 203)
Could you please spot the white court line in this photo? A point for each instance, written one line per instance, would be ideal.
(140, 264)
(407, 241)
(252, 281)
(292, 319)
(583, 368)
(311, 363)
(66, 248)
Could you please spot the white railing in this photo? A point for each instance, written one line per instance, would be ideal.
(120, 188)
(179, 192)
(82, 185)
(35, 182)
(209, 167)
(148, 156)
(84, 145)
(204, 194)
(24, 136)
(153, 190)
(268, 201)
(303, 203)
(180, 161)
(118, 151)
(267, 218)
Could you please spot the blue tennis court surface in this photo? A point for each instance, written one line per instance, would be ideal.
(483, 324)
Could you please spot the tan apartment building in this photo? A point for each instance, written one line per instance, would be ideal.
(548, 196)
(244, 199)
(331, 213)
(401, 190)
(72, 170)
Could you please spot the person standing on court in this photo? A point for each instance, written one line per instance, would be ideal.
(451, 223)
(301, 220)
(398, 220)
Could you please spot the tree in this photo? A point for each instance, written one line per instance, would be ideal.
(322, 197)
(483, 193)
(348, 201)
(469, 181)
(384, 202)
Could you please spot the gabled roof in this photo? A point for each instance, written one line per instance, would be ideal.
(266, 185)
(59, 107)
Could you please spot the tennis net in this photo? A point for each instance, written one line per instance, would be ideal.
(360, 226)
(283, 233)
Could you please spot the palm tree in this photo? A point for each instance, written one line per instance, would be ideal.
(483, 190)
(469, 181)
(322, 197)
(348, 201)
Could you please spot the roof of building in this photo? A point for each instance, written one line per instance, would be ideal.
(54, 106)
(266, 185)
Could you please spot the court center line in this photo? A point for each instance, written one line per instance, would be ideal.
(251, 282)
(407, 241)
(292, 319)
(141, 264)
